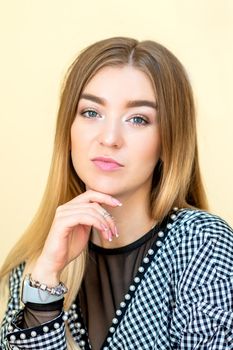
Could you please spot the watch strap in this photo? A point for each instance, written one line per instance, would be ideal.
(36, 295)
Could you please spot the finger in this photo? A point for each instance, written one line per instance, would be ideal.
(109, 219)
(93, 196)
(92, 208)
(98, 224)
(79, 205)
(69, 220)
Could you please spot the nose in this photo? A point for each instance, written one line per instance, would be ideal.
(111, 134)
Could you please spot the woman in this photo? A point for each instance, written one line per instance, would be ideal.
(124, 187)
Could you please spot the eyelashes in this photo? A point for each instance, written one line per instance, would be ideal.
(135, 120)
(138, 120)
(90, 113)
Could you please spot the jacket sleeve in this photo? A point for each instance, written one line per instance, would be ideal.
(47, 336)
(207, 296)
(209, 325)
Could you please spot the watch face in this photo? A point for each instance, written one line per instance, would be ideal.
(59, 290)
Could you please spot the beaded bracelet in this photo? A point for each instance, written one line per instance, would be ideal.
(59, 290)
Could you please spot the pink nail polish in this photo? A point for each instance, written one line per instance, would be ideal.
(109, 236)
(104, 227)
(115, 201)
(116, 232)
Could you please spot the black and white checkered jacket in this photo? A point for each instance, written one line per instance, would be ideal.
(181, 298)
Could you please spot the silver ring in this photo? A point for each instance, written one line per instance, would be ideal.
(106, 214)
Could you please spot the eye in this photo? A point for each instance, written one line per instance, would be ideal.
(138, 120)
(90, 113)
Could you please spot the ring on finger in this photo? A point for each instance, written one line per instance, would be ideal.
(106, 214)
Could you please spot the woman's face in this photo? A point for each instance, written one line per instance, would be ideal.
(115, 137)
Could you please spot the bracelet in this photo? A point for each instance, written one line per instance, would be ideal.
(36, 292)
(59, 290)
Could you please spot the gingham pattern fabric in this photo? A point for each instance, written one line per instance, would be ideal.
(184, 300)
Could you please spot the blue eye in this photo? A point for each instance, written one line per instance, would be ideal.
(137, 120)
(90, 113)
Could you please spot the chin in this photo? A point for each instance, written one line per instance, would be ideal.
(107, 188)
(104, 189)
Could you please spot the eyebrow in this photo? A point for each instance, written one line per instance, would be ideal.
(130, 104)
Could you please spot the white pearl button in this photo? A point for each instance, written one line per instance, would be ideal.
(127, 296)
(132, 288)
(82, 343)
(82, 331)
(146, 260)
(22, 336)
(56, 325)
(122, 304)
(10, 328)
(169, 226)
(109, 339)
(160, 234)
(112, 329)
(159, 243)
(12, 338)
(65, 317)
(136, 279)
(141, 269)
(115, 321)
(118, 312)
(33, 334)
(150, 251)
(45, 329)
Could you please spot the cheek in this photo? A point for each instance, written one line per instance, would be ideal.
(148, 150)
(81, 133)
(76, 144)
(77, 136)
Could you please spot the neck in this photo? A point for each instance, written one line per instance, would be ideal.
(132, 220)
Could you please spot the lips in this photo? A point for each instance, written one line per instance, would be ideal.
(106, 163)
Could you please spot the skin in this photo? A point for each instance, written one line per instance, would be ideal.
(116, 118)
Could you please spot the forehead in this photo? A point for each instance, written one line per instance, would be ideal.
(126, 82)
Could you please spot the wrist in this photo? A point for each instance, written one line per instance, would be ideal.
(36, 292)
(42, 273)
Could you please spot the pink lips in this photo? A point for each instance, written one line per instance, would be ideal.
(107, 164)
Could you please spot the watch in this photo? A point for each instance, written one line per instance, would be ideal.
(34, 292)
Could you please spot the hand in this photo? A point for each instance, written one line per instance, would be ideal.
(70, 233)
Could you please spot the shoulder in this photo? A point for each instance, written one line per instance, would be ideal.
(204, 247)
(200, 217)
(197, 223)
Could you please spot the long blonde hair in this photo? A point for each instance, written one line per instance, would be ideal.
(176, 180)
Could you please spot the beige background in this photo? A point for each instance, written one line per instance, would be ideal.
(39, 39)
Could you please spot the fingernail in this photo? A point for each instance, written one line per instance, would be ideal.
(109, 236)
(104, 227)
(115, 232)
(115, 201)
